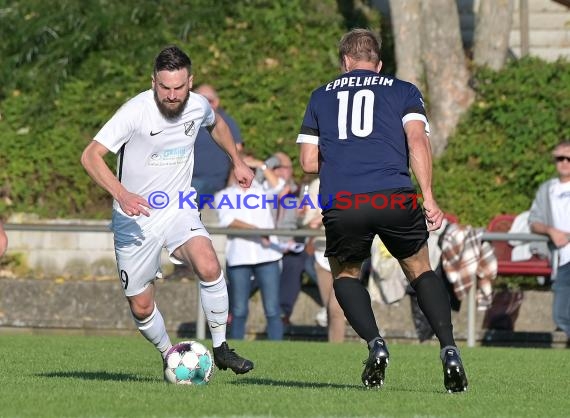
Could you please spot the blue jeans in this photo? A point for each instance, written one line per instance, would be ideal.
(310, 267)
(267, 276)
(291, 274)
(561, 303)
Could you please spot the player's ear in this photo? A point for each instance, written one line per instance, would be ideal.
(344, 65)
(152, 81)
(190, 80)
(379, 66)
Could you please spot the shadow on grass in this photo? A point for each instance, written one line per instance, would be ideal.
(101, 375)
(292, 383)
(318, 385)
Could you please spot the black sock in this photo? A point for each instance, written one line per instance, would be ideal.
(355, 301)
(433, 300)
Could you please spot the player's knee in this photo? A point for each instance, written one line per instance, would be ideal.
(141, 310)
(413, 267)
(417, 275)
(209, 272)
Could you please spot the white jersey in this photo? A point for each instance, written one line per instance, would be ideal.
(155, 154)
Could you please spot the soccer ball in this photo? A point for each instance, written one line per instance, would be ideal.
(188, 363)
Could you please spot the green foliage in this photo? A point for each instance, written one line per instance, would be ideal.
(67, 65)
(500, 152)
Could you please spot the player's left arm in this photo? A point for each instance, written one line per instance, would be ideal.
(421, 164)
(221, 133)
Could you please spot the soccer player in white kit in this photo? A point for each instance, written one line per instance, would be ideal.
(154, 134)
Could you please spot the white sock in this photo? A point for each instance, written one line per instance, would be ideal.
(215, 304)
(154, 330)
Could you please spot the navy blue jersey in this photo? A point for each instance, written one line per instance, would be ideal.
(357, 120)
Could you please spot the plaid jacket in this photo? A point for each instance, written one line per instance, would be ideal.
(467, 261)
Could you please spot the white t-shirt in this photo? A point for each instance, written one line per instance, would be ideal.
(560, 204)
(247, 205)
(155, 154)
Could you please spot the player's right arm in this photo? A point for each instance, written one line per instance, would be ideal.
(308, 141)
(93, 162)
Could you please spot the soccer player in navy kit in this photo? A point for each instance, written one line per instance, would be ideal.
(360, 132)
(154, 134)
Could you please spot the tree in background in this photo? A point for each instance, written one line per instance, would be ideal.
(430, 53)
(492, 30)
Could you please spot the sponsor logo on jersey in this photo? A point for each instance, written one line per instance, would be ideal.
(170, 156)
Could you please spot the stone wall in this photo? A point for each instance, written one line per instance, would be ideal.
(99, 306)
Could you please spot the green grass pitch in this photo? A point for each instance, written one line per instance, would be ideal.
(121, 376)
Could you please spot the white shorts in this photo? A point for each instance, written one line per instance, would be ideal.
(138, 248)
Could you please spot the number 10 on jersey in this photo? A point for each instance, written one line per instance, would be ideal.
(362, 116)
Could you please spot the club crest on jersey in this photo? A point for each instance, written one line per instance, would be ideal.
(189, 128)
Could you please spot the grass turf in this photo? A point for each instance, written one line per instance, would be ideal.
(121, 376)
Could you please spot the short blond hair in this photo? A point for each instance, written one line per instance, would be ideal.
(360, 45)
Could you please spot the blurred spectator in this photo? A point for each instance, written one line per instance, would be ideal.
(288, 216)
(211, 163)
(549, 216)
(252, 256)
(334, 318)
(309, 241)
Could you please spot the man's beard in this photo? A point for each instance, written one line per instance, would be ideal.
(170, 112)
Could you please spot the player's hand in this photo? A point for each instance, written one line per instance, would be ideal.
(243, 174)
(433, 214)
(133, 204)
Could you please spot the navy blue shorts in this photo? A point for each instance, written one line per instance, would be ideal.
(352, 221)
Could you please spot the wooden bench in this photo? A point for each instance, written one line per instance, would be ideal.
(536, 266)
